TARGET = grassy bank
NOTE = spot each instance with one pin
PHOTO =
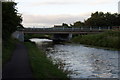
(108, 39)
(7, 49)
(42, 67)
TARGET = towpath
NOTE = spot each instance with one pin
(18, 68)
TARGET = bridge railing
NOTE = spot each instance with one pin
(66, 29)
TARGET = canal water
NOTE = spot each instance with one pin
(81, 61)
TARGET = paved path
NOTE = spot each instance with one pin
(18, 68)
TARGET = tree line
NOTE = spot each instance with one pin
(98, 19)
(11, 19)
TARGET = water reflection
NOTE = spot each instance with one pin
(81, 61)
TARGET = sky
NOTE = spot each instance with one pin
(47, 13)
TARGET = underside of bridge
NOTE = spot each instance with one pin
(58, 34)
(28, 36)
(60, 37)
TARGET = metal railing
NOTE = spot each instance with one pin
(66, 29)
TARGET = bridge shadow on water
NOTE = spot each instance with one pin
(59, 41)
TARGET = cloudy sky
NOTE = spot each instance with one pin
(47, 13)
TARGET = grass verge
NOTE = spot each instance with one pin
(108, 39)
(42, 67)
(7, 49)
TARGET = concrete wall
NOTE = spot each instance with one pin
(18, 35)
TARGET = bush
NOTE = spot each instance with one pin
(108, 39)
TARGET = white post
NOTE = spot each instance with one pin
(99, 28)
(70, 36)
(90, 28)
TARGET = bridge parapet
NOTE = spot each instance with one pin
(61, 30)
(65, 29)
(72, 29)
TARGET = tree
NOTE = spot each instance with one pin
(103, 19)
(10, 19)
(65, 25)
(78, 24)
(96, 19)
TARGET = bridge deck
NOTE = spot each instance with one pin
(62, 30)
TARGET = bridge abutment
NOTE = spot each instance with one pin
(18, 35)
(70, 36)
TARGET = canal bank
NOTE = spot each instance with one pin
(81, 61)
(108, 40)
(16, 59)
(42, 67)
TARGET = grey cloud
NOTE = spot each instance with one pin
(56, 3)
(97, 2)
(70, 2)
(51, 20)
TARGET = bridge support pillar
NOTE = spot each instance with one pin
(70, 36)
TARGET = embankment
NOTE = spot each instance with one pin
(7, 49)
(107, 39)
(42, 67)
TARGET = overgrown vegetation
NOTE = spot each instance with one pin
(11, 19)
(42, 67)
(109, 39)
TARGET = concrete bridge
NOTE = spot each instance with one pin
(61, 30)
(59, 33)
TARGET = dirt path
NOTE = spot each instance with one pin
(18, 68)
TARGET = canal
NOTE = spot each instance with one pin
(81, 61)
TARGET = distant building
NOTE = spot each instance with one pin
(119, 7)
